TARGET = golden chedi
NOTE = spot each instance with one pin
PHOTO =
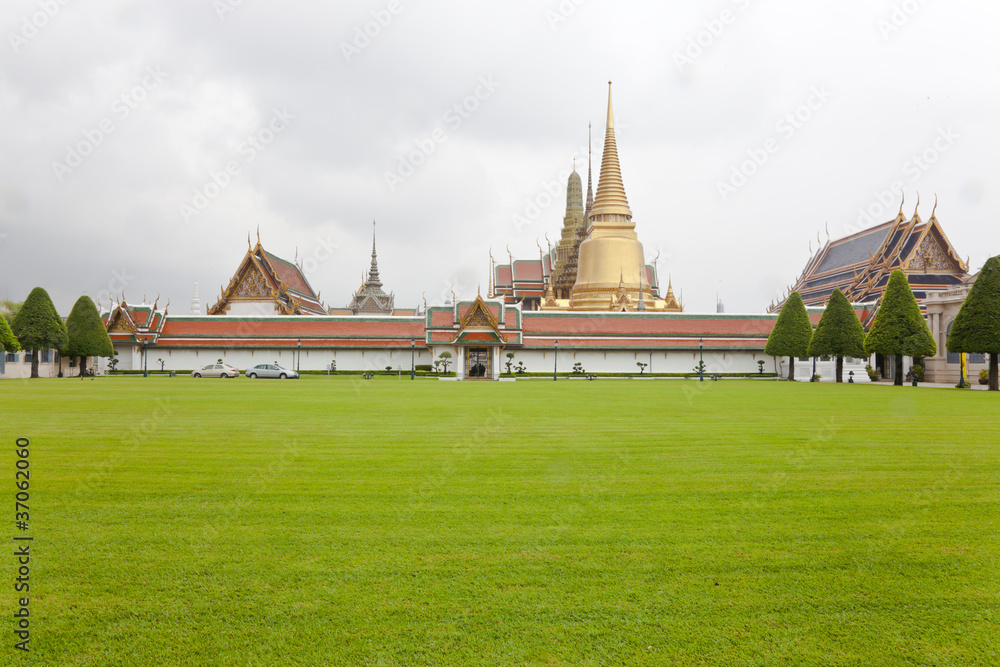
(611, 268)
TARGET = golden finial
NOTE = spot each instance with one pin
(423, 295)
(810, 247)
(258, 234)
(918, 206)
(902, 200)
(511, 258)
(935, 206)
(249, 247)
(828, 231)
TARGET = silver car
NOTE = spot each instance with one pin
(218, 370)
(270, 371)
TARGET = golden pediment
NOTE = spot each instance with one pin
(120, 324)
(251, 285)
(479, 316)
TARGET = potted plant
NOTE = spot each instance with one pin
(984, 376)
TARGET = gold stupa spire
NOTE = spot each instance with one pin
(611, 239)
(611, 204)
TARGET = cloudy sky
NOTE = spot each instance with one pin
(141, 142)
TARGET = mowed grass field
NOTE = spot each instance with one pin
(389, 522)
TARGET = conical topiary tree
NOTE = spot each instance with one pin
(87, 335)
(839, 333)
(977, 326)
(791, 333)
(8, 341)
(899, 329)
(38, 326)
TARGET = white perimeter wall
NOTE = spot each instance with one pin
(624, 361)
(185, 359)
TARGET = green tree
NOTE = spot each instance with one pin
(839, 333)
(445, 360)
(899, 329)
(8, 341)
(38, 327)
(510, 361)
(977, 326)
(791, 333)
(9, 309)
(86, 332)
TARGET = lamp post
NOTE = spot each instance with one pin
(413, 348)
(145, 373)
(555, 361)
(701, 360)
(298, 363)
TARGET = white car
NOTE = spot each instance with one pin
(216, 371)
(270, 371)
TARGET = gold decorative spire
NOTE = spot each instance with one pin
(611, 204)
(590, 171)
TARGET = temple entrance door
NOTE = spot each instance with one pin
(478, 363)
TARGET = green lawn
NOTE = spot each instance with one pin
(388, 522)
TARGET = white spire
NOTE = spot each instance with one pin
(195, 301)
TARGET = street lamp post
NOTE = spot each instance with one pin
(298, 363)
(701, 360)
(555, 361)
(413, 348)
(145, 372)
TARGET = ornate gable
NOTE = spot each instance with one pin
(479, 326)
(253, 284)
(119, 323)
(265, 278)
(479, 316)
(933, 253)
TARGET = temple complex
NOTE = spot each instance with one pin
(591, 302)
